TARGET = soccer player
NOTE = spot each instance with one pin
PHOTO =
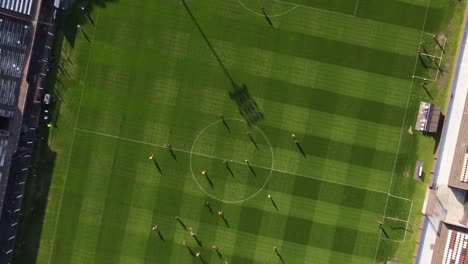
(151, 157)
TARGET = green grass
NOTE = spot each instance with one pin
(340, 82)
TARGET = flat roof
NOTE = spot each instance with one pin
(428, 117)
(23, 8)
(458, 176)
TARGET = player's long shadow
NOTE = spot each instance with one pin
(227, 126)
(226, 222)
(161, 236)
(220, 256)
(172, 154)
(300, 149)
(254, 142)
(274, 204)
(252, 170)
(209, 181)
(157, 166)
(280, 257)
(248, 107)
(190, 250)
(230, 170)
(428, 93)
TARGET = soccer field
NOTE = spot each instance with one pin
(337, 74)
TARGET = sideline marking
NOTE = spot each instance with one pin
(73, 139)
(356, 8)
(402, 127)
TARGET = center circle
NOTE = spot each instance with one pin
(231, 160)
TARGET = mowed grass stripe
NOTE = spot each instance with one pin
(339, 53)
(305, 187)
(155, 108)
(340, 6)
(376, 84)
(325, 168)
(400, 13)
(116, 210)
(138, 227)
(94, 194)
(167, 194)
(314, 165)
(345, 152)
(352, 83)
(310, 74)
(361, 32)
(307, 74)
(186, 121)
(60, 141)
(72, 202)
(203, 44)
(175, 188)
(252, 226)
(330, 104)
(165, 206)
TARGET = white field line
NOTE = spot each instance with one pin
(356, 8)
(402, 126)
(407, 221)
(233, 161)
(432, 56)
(73, 139)
(313, 8)
(423, 78)
(388, 239)
(399, 197)
(259, 14)
(395, 219)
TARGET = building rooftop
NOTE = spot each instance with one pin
(451, 246)
(458, 176)
(428, 117)
(18, 7)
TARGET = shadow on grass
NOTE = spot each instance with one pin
(248, 107)
(75, 15)
(35, 203)
(44, 158)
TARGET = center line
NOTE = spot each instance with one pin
(233, 161)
